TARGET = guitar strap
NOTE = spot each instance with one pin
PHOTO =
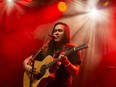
(56, 54)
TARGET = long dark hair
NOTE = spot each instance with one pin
(65, 39)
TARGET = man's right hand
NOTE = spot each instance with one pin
(26, 64)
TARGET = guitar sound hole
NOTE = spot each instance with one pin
(38, 76)
(42, 72)
(43, 69)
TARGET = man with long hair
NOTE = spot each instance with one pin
(61, 72)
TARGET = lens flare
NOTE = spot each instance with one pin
(8, 6)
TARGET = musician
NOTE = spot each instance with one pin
(60, 73)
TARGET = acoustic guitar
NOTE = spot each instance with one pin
(42, 70)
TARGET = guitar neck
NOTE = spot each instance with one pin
(52, 62)
(57, 59)
(83, 46)
(68, 52)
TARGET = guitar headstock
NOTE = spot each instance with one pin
(82, 46)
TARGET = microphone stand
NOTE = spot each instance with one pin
(33, 60)
(32, 65)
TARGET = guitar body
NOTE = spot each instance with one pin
(38, 65)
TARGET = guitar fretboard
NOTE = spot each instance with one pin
(83, 46)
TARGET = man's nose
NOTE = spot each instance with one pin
(56, 32)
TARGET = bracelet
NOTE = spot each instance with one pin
(68, 64)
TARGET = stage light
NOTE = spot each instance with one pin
(106, 3)
(62, 6)
(9, 6)
(94, 12)
(10, 2)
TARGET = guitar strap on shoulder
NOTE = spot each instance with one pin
(65, 47)
(58, 50)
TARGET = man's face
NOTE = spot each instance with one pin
(58, 32)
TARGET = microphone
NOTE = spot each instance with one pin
(52, 36)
